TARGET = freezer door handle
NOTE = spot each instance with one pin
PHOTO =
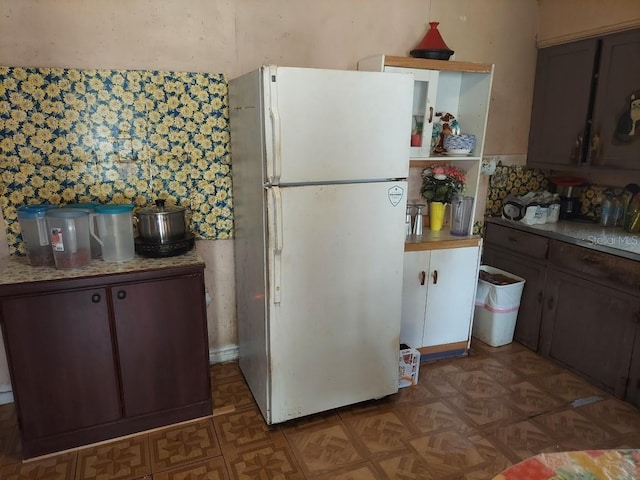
(275, 125)
(277, 241)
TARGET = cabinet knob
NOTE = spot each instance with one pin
(95, 298)
(121, 295)
(434, 275)
(423, 276)
(551, 303)
(591, 260)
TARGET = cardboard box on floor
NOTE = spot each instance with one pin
(409, 360)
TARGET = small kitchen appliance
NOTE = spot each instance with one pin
(162, 231)
(569, 190)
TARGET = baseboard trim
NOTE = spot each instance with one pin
(226, 353)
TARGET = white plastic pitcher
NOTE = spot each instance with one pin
(69, 237)
(115, 231)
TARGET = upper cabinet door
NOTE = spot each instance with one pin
(616, 114)
(425, 87)
(586, 104)
(560, 114)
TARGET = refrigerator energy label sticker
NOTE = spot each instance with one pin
(395, 195)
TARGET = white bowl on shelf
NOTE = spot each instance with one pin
(462, 144)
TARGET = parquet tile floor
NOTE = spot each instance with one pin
(469, 418)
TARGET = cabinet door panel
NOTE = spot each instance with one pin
(425, 87)
(62, 362)
(452, 281)
(530, 312)
(414, 297)
(561, 102)
(617, 125)
(589, 328)
(162, 343)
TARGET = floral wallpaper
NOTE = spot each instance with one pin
(518, 180)
(513, 180)
(69, 135)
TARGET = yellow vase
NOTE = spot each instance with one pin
(436, 215)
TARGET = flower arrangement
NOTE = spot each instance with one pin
(441, 182)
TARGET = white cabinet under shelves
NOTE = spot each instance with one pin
(440, 269)
(438, 297)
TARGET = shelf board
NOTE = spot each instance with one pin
(444, 65)
(443, 158)
(440, 239)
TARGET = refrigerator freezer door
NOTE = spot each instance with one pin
(335, 275)
(326, 126)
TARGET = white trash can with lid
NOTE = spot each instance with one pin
(497, 304)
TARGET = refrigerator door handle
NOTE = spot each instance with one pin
(277, 242)
(275, 126)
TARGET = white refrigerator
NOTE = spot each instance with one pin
(319, 166)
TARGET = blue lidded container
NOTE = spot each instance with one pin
(35, 235)
(96, 249)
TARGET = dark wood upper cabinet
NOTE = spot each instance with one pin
(616, 111)
(583, 112)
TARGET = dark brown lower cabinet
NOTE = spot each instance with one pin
(99, 357)
(579, 306)
(590, 328)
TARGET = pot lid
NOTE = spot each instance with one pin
(433, 40)
(160, 208)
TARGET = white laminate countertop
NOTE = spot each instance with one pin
(17, 269)
(611, 240)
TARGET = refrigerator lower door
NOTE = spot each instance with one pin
(335, 282)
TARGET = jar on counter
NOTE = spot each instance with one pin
(553, 214)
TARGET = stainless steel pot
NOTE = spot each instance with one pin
(161, 223)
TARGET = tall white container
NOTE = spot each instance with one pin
(115, 232)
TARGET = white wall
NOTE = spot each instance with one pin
(567, 20)
(233, 37)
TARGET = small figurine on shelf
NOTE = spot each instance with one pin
(446, 125)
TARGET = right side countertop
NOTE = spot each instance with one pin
(613, 240)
